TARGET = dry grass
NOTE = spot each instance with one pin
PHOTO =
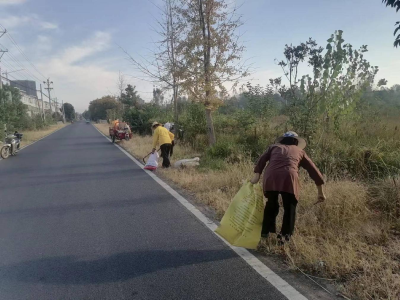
(341, 239)
(32, 136)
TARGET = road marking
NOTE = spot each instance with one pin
(280, 284)
(38, 140)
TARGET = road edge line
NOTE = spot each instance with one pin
(39, 139)
(274, 279)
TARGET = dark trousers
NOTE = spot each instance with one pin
(271, 211)
(165, 151)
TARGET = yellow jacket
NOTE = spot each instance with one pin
(162, 136)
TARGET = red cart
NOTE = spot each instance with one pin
(119, 134)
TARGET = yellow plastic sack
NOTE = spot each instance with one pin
(242, 223)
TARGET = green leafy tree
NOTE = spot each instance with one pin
(141, 118)
(382, 82)
(13, 113)
(69, 111)
(395, 4)
(130, 97)
(340, 77)
(261, 102)
(86, 115)
(98, 108)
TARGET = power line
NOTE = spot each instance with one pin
(22, 66)
(19, 79)
(23, 87)
(22, 53)
(28, 74)
(19, 63)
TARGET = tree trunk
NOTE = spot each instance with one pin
(170, 33)
(210, 127)
(176, 116)
(205, 26)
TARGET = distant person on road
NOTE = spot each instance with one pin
(281, 177)
(163, 138)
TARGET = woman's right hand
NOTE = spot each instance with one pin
(255, 178)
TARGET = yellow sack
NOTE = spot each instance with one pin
(242, 223)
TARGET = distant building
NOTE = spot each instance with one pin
(31, 102)
(28, 92)
(28, 86)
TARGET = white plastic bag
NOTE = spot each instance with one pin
(152, 162)
(193, 162)
(168, 126)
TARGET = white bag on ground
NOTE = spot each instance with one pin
(193, 162)
(152, 162)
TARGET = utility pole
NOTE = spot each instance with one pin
(56, 108)
(48, 83)
(41, 96)
(63, 110)
(1, 55)
(6, 72)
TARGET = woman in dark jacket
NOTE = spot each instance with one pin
(281, 177)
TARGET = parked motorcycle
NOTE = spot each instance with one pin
(11, 145)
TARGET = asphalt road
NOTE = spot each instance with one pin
(80, 220)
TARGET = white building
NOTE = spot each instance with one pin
(35, 105)
(31, 102)
(28, 92)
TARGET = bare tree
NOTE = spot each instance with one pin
(163, 66)
(121, 84)
(211, 51)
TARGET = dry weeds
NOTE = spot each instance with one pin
(34, 135)
(341, 239)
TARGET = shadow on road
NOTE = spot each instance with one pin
(115, 268)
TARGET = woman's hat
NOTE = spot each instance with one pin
(302, 142)
(155, 124)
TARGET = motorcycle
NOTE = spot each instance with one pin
(11, 145)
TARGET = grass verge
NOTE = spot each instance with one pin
(31, 136)
(353, 238)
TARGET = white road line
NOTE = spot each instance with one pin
(280, 284)
(39, 139)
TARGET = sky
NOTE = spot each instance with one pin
(77, 44)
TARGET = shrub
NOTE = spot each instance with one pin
(222, 149)
(384, 196)
(141, 118)
(193, 122)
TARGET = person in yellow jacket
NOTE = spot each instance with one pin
(116, 124)
(162, 137)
